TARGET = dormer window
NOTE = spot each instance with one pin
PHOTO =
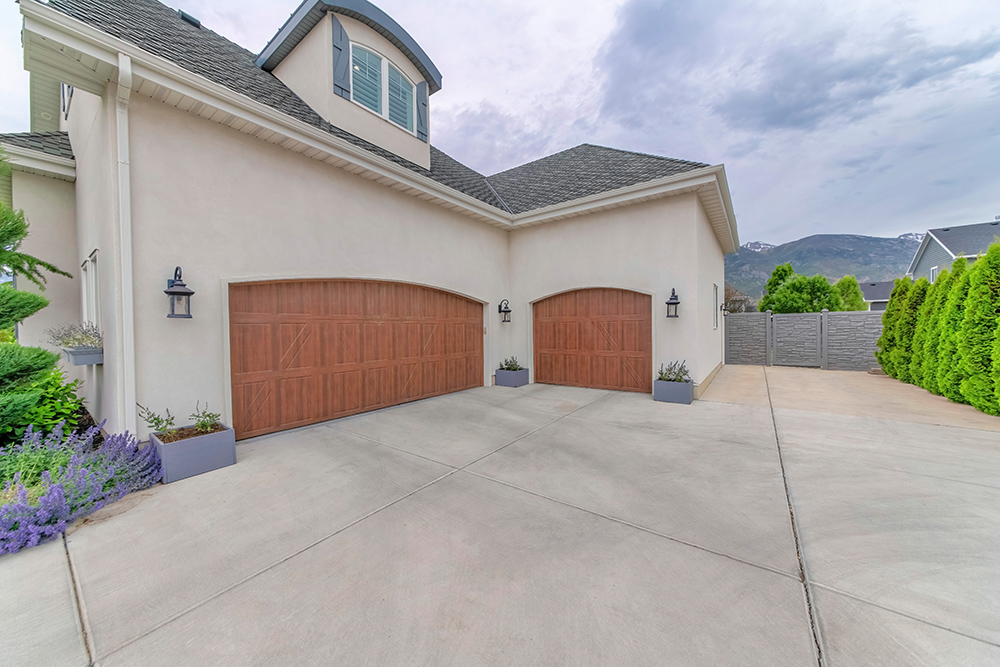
(394, 101)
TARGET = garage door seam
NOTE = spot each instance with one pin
(803, 576)
(903, 613)
(644, 529)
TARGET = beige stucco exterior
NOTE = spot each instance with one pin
(308, 70)
(202, 189)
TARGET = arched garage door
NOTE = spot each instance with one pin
(595, 338)
(306, 351)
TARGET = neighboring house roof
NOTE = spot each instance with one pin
(960, 241)
(878, 291)
(311, 12)
(580, 172)
(50, 143)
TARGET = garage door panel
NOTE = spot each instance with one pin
(594, 338)
(317, 350)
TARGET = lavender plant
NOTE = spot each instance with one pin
(36, 505)
(204, 421)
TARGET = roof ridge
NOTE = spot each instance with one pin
(606, 148)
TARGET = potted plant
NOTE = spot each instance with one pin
(673, 384)
(83, 343)
(206, 445)
(511, 374)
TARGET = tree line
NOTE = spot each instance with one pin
(945, 336)
(789, 292)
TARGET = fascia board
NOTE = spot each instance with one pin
(917, 255)
(727, 200)
(36, 161)
(173, 77)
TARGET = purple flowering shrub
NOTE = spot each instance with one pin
(51, 481)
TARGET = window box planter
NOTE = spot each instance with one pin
(193, 456)
(84, 356)
(512, 378)
(673, 392)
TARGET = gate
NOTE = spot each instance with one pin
(797, 339)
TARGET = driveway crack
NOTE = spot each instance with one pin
(803, 577)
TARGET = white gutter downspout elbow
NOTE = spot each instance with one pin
(127, 356)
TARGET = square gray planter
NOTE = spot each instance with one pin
(673, 392)
(84, 356)
(193, 456)
(512, 378)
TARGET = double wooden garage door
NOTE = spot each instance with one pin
(595, 338)
(307, 351)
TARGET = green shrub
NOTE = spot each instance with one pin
(677, 371)
(949, 371)
(510, 364)
(850, 293)
(204, 421)
(890, 319)
(932, 335)
(779, 276)
(806, 295)
(15, 305)
(906, 328)
(7, 335)
(978, 332)
(916, 370)
(57, 403)
(20, 366)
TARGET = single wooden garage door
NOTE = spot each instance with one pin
(595, 338)
(306, 351)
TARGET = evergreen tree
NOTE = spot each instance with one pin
(15, 305)
(905, 329)
(890, 318)
(944, 283)
(916, 370)
(781, 274)
(978, 332)
(850, 293)
(949, 371)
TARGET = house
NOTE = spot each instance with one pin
(941, 247)
(339, 261)
(877, 294)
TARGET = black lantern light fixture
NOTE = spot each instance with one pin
(672, 303)
(179, 295)
(504, 310)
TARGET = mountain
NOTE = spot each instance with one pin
(870, 258)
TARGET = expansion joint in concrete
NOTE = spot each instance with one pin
(804, 578)
(81, 609)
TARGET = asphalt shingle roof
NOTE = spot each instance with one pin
(51, 143)
(968, 239)
(878, 291)
(580, 172)
(571, 174)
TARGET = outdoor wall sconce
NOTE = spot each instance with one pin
(672, 303)
(179, 295)
(504, 310)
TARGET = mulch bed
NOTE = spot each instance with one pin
(187, 432)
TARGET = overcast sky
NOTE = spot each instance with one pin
(851, 116)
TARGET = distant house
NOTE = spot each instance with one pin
(877, 294)
(941, 247)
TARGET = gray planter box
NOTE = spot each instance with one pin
(193, 456)
(84, 356)
(512, 378)
(673, 392)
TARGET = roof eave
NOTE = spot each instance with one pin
(38, 162)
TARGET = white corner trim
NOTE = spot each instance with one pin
(946, 249)
(37, 162)
(127, 357)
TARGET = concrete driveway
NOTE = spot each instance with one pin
(552, 526)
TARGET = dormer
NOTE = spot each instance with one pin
(358, 69)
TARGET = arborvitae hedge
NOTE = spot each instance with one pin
(949, 373)
(979, 331)
(916, 369)
(887, 341)
(906, 327)
(932, 334)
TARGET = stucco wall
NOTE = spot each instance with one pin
(50, 208)
(228, 207)
(308, 70)
(645, 248)
(91, 128)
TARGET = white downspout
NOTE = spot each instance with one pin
(127, 401)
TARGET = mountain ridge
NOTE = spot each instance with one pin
(869, 258)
